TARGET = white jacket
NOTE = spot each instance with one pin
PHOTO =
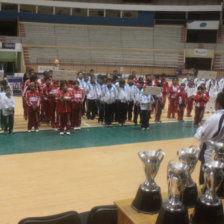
(145, 102)
(109, 95)
(91, 91)
(122, 94)
(82, 84)
(131, 91)
(210, 131)
(137, 96)
(7, 103)
(212, 88)
(99, 91)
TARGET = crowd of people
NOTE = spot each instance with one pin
(109, 98)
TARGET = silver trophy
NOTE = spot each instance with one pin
(189, 156)
(148, 198)
(209, 207)
(173, 211)
(217, 149)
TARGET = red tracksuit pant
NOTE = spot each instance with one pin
(33, 118)
(53, 114)
(47, 114)
(64, 121)
(172, 107)
(164, 100)
(25, 109)
(190, 102)
(180, 112)
(76, 116)
(158, 109)
(199, 113)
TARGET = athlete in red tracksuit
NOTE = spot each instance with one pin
(25, 108)
(46, 99)
(158, 105)
(181, 102)
(78, 96)
(33, 102)
(53, 104)
(191, 88)
(172, 98)
(201, 99)
(165, 89)
(64, 97)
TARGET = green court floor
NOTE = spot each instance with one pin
(91, 137)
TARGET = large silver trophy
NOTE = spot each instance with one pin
(217, 148)
(173, 211)
(189, 156)
(209, 207)
(148, 198)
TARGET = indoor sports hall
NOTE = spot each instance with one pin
(44, 172)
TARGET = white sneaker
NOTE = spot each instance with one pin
(78, 128)
(55, 129)
(29, 131)
(68, 133)
(37, 130)
(61, 133)
(32, 129)
(143, 129)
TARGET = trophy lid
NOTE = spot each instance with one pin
(190, 151)
(213, 165)
(177, 168)
(149, 154)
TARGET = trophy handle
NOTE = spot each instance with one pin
(161, 154)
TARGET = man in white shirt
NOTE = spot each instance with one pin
(212, 129)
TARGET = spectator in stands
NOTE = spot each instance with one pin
(8, 106)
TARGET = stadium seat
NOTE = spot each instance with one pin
(100, 215)
(70, 217)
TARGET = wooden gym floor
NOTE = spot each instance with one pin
(39, 177)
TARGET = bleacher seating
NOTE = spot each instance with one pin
(103, 45)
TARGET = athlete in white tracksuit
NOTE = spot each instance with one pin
(212, 129)
(212, 88)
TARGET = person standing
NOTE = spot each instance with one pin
(8, 106)
(212, 129)
(181, 102)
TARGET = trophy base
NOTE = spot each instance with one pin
(147, 202)
(207, 214)
(172, 217)
(220, 191)
(189, 196)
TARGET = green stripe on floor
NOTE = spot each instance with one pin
(92, 137)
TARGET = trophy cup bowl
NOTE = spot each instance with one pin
(148, 198)
(218, 154)
(209, 207)
(173, 211)
(189, 156)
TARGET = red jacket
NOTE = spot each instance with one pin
(53, 93)
(173, 91)
(165, 88)
(136, 81)
(46, 92)
(64, 106)
(32, 98)
(182, 98)
(200, 99)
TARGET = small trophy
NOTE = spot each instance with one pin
(209, 207)
(189, 156)
(148, 198)
(173, 211)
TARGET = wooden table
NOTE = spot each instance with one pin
(127, 215)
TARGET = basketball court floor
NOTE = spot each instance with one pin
(44, 173)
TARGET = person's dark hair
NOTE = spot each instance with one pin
(141, 83)
(220, 99)
(130, 77)
(25, 77)
(63, 82)
(33, 78)
(76, 82)
(109, 80)
(200, 88)
(159, 84)
(99, 76)
(182, 84)
(7, 87)
(4, 83)
(121, 82)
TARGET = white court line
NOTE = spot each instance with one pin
(86, 124)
